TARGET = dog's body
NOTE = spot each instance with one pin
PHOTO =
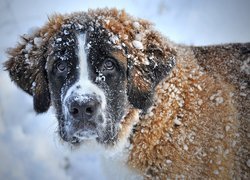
(199, 123)
(113, 79)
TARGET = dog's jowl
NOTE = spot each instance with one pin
(181, 111)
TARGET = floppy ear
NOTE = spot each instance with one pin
(26, 67)
(26, 64)
(144, 77)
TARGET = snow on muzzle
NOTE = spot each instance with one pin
(85, 115)
(84, 107)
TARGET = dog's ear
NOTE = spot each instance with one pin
(26, 67)
(145, 75)
(27, 63)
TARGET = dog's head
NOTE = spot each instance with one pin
(98, 69)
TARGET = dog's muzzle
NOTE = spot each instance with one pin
(85, 109)
(84, 117)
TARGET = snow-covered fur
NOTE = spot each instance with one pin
(184, 110)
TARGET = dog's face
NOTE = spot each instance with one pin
(92, 72)
(88, 82)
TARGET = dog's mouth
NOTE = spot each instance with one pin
(83, 135)
(77, 133)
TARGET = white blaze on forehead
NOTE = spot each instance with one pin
(84, 86)
(82, 55)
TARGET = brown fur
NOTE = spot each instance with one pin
(198, 124)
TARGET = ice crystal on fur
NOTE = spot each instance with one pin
(38, 41)
(246, 66)
(137, 44)
(28, 47)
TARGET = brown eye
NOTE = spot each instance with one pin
(62, 66)
(109, 64)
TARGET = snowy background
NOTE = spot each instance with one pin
(29, 146)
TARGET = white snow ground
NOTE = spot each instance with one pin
(29, 147)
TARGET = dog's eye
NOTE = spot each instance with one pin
(109, 64)
(62, 66)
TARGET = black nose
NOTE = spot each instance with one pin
(84, 108)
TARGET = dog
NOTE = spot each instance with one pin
(177, 111)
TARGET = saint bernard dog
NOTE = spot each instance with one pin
(178, 111)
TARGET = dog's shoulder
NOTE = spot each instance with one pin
(198, 123)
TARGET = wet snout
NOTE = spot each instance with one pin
(84, 108)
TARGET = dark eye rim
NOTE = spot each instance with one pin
(61, 66)
(109, 64)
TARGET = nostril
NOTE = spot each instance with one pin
(89, 111)
(74, 111)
